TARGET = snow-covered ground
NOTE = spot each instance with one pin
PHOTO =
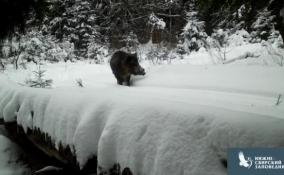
(10, 163)
(178, 119)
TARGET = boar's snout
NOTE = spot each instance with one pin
(139, 71)
(143, 71)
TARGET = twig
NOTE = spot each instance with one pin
(167, 15)
(79, 82)
(279, 100)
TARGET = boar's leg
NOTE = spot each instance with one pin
(127, 79)
(119, 82)
(119, 79)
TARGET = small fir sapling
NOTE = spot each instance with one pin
(38, 81)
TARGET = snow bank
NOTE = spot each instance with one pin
(263, 54)
(230, 78)
(178, 120)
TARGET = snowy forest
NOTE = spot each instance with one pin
(125, 87)
(88, 29)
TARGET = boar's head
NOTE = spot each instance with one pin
(134, 66)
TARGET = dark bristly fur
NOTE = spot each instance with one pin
(123, 65)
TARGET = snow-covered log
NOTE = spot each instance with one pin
(42, 141)
(241, 57)
(152, 131)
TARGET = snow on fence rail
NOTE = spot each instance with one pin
(124, 129)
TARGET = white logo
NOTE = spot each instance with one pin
(247, 163)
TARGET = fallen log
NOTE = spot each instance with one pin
(27, 117)
(117, 130)
(35, 139)
(63, 157)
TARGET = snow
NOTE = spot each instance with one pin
(48, 169)
(241, 11)
(178, 119)
(9, 159)
(263, 54)
(239, 38)
(156, 22)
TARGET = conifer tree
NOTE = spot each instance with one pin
(77, 24)
(194, 32)
(263, 27)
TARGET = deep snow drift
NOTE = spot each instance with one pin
(178, 119)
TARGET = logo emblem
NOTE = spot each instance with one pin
(247, 163)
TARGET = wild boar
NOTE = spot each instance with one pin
(123, 65)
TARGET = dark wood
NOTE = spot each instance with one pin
(42, 152)
(34, 141)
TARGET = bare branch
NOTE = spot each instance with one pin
(167, 15)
